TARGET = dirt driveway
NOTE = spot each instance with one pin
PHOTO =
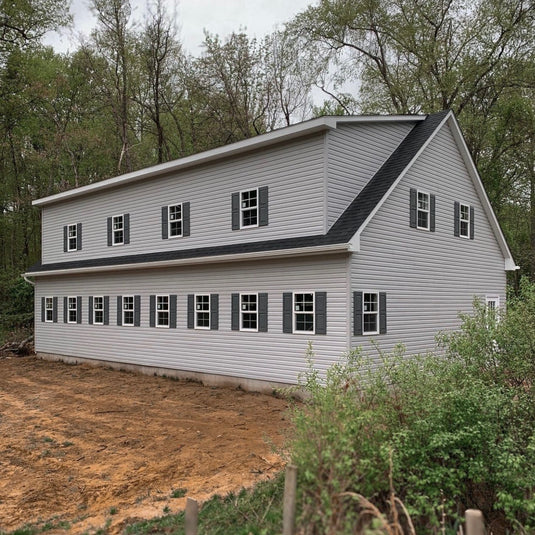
(91, 445)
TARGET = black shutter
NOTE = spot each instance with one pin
(357, 313)
(79, 236)
(172, 311)
(185, 219)
(191, 311)
(110, 232)
(126, 227)
(79, 309)
(287, 315)
(106, 310)
(119, 310)
(55, 309)
(137, 310)
(165, 220)
(413, 213)
(235, 211)
(321, 312)
(472, 223)
(90, 311)
(382, 313)
(263, 312)
(235, 312)
(214, 312)
(64, 310)
(152, 311)
(432, 213)
(263, 216)
(65, 239)
(456, 214)
(42, 309)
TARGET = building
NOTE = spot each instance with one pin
(342, 231)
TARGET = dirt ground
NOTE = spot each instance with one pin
(92, 445)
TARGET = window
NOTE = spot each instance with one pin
(117, 230)
(249, 208)
(128, 310)
(370, 313)
(162, 311)
(303, 312)
(249, 312)
(202, 311)
(423, 211)
(464, 221)
(49, 309)
(71, 238)
(72, 316)
(174, 220)
(98, 310)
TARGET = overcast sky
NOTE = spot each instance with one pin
(257, 17)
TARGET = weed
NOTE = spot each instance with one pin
(179, 493)
(113, 510)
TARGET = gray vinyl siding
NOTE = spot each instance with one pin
(355, 153)
(293, 173)
(429, 277)
(270, 356)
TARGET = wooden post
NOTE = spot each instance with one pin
(192, 516)
(288, 511)
(474, 522)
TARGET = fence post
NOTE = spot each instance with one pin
(192, 516)
(288, 511)
(474, 522)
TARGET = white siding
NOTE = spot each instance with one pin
(271, 356)
(294, 173)
(355, 153)
(429, 277)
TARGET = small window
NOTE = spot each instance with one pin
(423, 211)
(303, 312)
(98, 310)
(118, 229)
(370, 313)
(72, 310)
(128, 310)
(249, 312)
(162, 311)
(174, 220)
(249, 208)
(49, 309)
(72, 238)
(464, 221)
(202, 311)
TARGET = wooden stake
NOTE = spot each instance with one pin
(192, 516)
(474, 522)
(288, 512)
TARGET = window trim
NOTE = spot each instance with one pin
(113, 242)
(95, 309)
(69, 309)
(133, 310)
(312, 313)
(467, 221)
(51, 309)
(377, 313)
(209, 312)
(241, 209)
(69, 237)
(181, 235)
(241, 311)
(418, 209)
(168, 310)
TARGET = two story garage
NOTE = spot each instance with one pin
(223, 266)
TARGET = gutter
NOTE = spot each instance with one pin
(25, 277)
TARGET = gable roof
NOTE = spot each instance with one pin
(342, 235)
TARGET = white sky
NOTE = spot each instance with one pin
(256, 17)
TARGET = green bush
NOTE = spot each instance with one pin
(17, 298)
(459, 428)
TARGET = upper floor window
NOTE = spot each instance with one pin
(119, 229)
(72, 237)
(175, 220)
(250, 208)
(422, 210)
(464, 221)
(72, 242)
(463, 215)
(49, 309)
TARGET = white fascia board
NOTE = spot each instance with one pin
(240, 257)
(379, 118)
(355, 240)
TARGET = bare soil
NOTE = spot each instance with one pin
(98, 447)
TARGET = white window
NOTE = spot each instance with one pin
(174, 220)
(303, 312)
(202, 311)
(162, 311)
(98, 310)
(128, 310)
(72, 238)
(249, 312)
(370, 313)
(464, 220)
(422, 216)
(492, 303)
(49, 309)
(249, 208)
(72, 309)
(118, 229)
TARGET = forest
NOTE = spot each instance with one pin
(130, 96)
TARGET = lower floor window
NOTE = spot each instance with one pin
(202, 311)
(370, 308)
(72, 310)
(249, 312)
(162, 310)
(303, 310)
(128, 310)
(49, 309)
(98, 310)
